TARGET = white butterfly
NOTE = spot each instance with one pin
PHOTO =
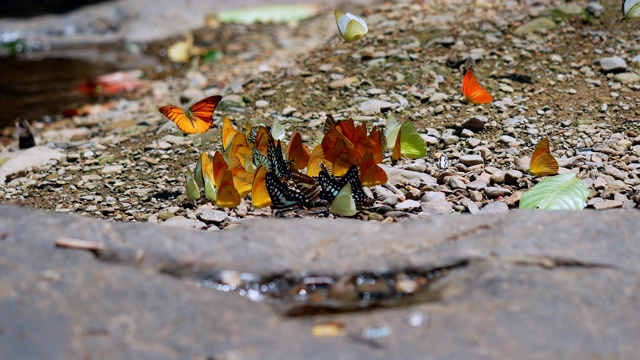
(631, 8)
(351, 27)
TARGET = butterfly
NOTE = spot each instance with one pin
(344, 204)
(405, 139)
(351, 27)
(193, 191)
(228, 133)
(282, 197)
(332, 185)
(372, 173)
(542, 162)
(297, 152)
(259, 196)
(316, 160)
(203, 163)
(306, 184)
(276, 130)
(473, 91)
(213, 170)
(631, 9)
(242, 179)
(197, 119)
(279, 165)
(227, 195)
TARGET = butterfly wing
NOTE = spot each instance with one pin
(306, 184)
(397, 148)
(283, 198)
(219, 168)
(277, 131)
(297, 153)
(179, 117)
(351, 27)
(242, 179)
(631, 9)
(344, 204)
(473, 91)
(316, 160)
(193, 191)
(542, 162)
(259, 195)
(372, 173)
(202, 112)
(228, 132)
(391, 130)
(209, 188)
(412, 144)
(227, 195)
(274, 154)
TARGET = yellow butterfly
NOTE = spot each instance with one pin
(351, 27)
(405, 139)
(343, 204)
(631, 9)
(193, 191)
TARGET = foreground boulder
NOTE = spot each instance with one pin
(514, 285)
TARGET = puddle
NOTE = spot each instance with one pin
(317, 295)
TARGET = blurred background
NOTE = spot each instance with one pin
(54, 54)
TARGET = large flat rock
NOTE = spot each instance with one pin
(518, 285)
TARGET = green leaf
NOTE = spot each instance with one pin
(560, 192)
(212, 56)
(268, 14)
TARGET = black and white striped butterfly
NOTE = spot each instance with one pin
(331, 185)
(443, 162)
(280, 166)
(284, 198)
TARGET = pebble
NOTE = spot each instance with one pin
(477, 185)
(535, 25)
(494, 191)
(511, 177)
(408, 205)
(373, 106)
(211, 215)
(183, 222)
(470, 206)
(497, 207)
(289, 110)
(613, 64)
(607, 204)
(472, 142)
(471, 160)
(262, 103)
(627, 78)
(338, 84)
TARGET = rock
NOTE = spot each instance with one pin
(211, 215)
(338, 84)
(183, 222)
(608, 204)
(262, 104)
(471, 160)
(231, 101)
(497, 177)
(535, 25)
(112, 169)
(569, 9)
(398, 176)
(494, 264)
(25, 160)
(493, 191)
(613, 64)
(627, 78)
(374, 106)
(437, 97)
(470, 205)
(289, 110)
(595, 9)
(497, 207)
(511, 177)
(408, 205)
(477, 184)
(472, 142)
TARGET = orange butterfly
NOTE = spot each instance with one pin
(197, 119)
(364, 144)
(227, 196)
(259, 194)
(228, 133)
(297, 152)
(218, 169)
(242, 179)
(542, 162)
(473, 91)
(343, 157)
(372, 173)
(315, 160)
(347, 128)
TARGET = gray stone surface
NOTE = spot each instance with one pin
(520, 285)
